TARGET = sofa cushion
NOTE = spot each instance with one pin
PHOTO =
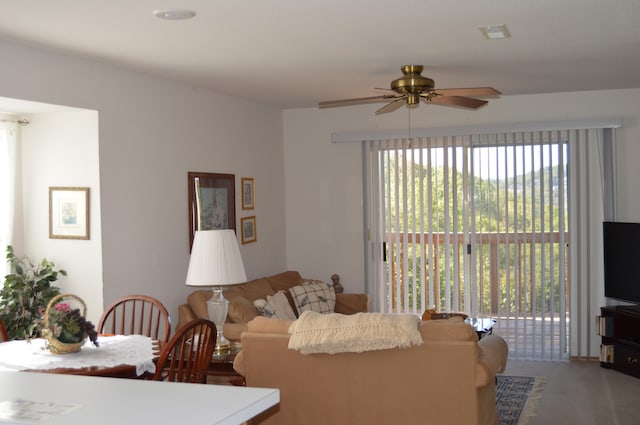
(352, 303)
(276, 306)
(285, 280)
(241, 310)
(314, 296)
(198, 302)
(253, 290)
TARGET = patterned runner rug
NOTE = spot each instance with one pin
(517, 398)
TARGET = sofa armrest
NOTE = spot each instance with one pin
(492, 359)
(351, 303)
(238, 364)
(494, 352)
(261, 325)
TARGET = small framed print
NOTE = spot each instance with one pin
(69, 213)
(248, 225)
(248, 193)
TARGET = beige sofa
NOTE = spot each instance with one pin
(447, 380)
(241, 298)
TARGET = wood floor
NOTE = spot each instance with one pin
(581, 393)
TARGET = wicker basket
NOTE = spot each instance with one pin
(54, 344)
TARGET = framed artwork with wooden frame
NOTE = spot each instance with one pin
(212, 202)
(248, 193)
(69, 213)
(248, 225)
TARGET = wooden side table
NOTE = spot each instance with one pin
(221, 366)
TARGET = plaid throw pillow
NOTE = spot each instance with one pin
(315, 296)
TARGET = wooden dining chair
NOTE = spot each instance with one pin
(136, 315)
(186, 357)
(4, 335)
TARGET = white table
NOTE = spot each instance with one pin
(136, 351)
(110, 401)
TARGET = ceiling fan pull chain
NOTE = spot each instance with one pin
(410, 138)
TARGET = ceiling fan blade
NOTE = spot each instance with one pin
(483, 92)
(355, 101)
(457, 101)
(392, 106)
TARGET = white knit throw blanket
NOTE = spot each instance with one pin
(338, 333)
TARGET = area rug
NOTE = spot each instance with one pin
(517, 398)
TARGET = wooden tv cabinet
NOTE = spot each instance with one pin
(619, 328)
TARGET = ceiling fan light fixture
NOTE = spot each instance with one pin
(413, 100)
(174, 14)
(495, 32)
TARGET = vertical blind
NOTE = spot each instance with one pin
(479, 224)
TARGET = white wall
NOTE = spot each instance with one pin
(324, 180)
(151, 133)
(61, 149)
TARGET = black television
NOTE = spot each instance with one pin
(622, 261)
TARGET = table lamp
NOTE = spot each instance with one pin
(216, 262)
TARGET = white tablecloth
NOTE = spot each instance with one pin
(113, 351)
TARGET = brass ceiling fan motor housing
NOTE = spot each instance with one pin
(412, 83)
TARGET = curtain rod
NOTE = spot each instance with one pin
(21, 121)
(360, 136)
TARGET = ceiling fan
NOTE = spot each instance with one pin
(413, 87)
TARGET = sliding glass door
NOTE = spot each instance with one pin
(476, 224)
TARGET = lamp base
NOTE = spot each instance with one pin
(223, 346)
(217, 307)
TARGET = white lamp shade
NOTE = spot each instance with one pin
(215, 259)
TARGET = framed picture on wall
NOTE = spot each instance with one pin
(69, 213)
(212, 202)
(248, 225)
(248, 193)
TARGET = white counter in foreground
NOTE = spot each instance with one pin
(98, 400)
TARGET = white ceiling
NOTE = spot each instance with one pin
(295, 53)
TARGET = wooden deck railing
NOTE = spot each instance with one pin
(516, 281)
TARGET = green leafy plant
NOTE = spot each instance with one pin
(25, 294)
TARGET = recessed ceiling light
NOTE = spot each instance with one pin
(495, 32)
(174, 14)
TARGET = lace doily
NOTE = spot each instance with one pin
(113, 351)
